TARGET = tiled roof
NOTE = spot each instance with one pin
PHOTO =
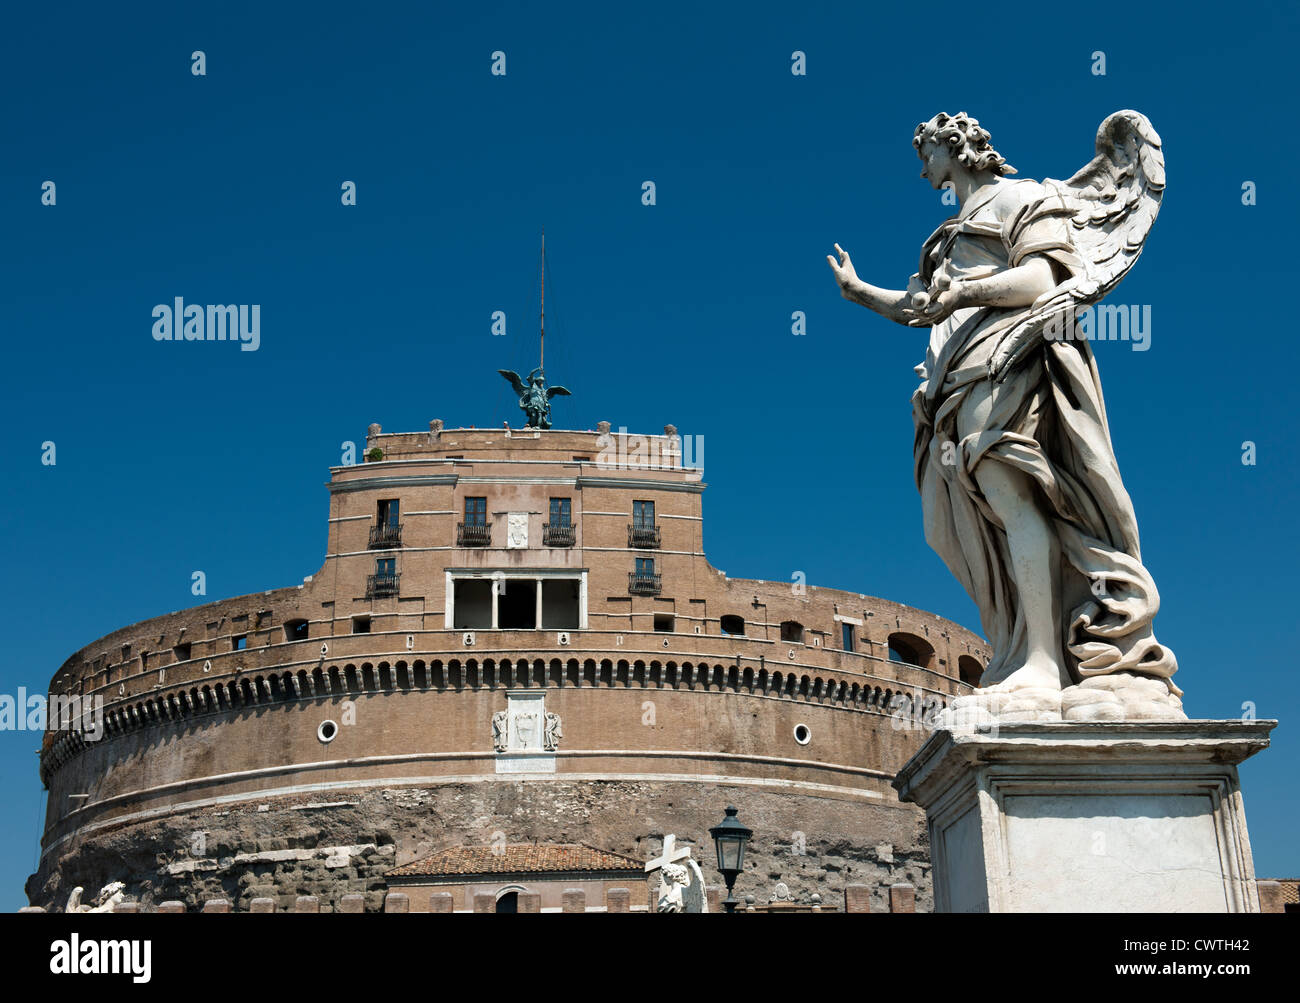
(521, 858)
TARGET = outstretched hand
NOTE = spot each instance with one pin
(845, 274)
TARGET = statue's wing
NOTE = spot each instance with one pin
(1117, 198)
(557, 392)
(515, 381)
(1114, 199)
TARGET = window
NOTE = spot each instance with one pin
(970, 670)
(910, 649)
(846, 635)
(475, 511)
(561, 512)
(295, 630)
(664, 623)
(643, 514)
(384, 582)
(792, 630)
(361, 625)
(645, 567)
(181, 652)
(239, 642)
(389, 512)
(733, 625)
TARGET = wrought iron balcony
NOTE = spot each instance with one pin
(557, 536)
(643, 535)
(473, 534)
(386, 536)
(380, 586)
(641, 584)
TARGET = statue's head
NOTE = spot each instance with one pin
(946, 140)
(536, 377)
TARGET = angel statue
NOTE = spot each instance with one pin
(1020, 490)
(535, 396)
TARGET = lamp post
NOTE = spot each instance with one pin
(729, 838)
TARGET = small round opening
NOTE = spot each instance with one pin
(327, 731)
(802, 734)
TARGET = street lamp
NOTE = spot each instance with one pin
(729, 838)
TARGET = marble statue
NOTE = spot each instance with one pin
(109, 896)
(553, 733)
(500, 724)
(1021, 493)
(673, 878)
(534, 396)
(681, 882)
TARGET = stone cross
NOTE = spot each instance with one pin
(670, 855)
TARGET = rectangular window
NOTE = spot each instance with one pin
(644, 566)
(389, 512)
(182, 651)
(239, 642)
(386, 566)
(664, 623)
(643, 514)
(475, 511)
(361, 625)
(561, 511)
(846, 633)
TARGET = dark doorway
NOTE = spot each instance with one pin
(509, 902)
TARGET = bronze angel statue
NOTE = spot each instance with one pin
(534, 396)
(1021, 492)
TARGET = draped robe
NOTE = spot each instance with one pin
(1047, 420)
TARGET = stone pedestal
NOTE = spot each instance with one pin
(1123, 816)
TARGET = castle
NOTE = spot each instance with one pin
(512, 641)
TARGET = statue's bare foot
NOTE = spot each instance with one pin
(1030, 693)
(1034, 674)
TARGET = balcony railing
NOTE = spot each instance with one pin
(643, 535)
(557, 536)
(473, 534)
(380, 586)
(385, 536)
(642, 584)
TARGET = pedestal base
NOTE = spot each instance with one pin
(1124, 816)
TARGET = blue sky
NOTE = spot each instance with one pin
(225, 188)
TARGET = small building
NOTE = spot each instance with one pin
(506, 871)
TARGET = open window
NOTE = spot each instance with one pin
(732, 625)
(296, 630)
(911, 649)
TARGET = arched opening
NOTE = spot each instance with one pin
(732, 625)
(509, 902)
(969, 670)
(911, 650)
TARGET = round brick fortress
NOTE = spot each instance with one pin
(307, 740)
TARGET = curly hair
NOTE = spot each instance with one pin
(970, 144)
